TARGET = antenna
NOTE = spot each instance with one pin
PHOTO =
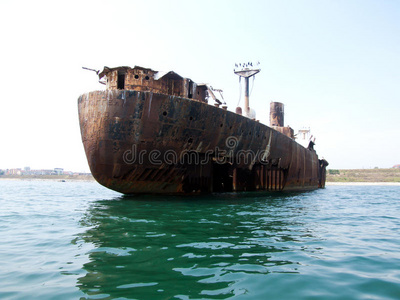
(246, 70)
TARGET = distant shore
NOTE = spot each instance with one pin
(382, 177)
(363, 183)
(48, 177)
(363, 176)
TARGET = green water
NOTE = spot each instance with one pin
(82, 241)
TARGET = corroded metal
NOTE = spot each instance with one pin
(276, 115)
(157, 139)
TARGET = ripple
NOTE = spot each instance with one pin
(136, 285)
(207, 245)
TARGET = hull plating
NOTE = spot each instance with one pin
(143, 142)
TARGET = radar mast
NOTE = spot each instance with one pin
(246, 71)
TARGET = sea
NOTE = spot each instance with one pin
(79, 240)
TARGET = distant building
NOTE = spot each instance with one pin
(58, 171)
(17, 171)
(44, 172)
(396, 167)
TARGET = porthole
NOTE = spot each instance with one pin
(136, 76)
(147, 78)
(164, 113)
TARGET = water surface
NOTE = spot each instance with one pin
(72, 240)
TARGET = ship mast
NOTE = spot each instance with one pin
(246, 71)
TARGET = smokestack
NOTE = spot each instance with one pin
(276, 113)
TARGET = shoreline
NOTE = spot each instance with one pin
(48, 179)
(54, 178)
(363, 183)
(65, 179)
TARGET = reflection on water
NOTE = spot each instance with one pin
(210, 247)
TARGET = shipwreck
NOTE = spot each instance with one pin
(153, 132)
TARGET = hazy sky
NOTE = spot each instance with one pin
(335, 65)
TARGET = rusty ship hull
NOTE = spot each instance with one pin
(149, 142)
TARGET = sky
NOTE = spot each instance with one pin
(334, 64)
